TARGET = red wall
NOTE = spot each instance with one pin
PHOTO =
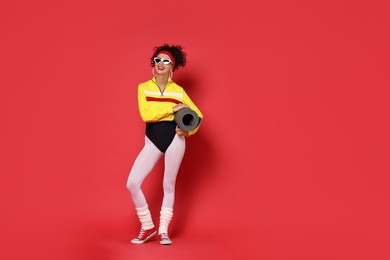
(291, 161)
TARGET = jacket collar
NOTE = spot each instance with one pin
(154, 79)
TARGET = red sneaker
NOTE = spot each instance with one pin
(144, 236)
(164, 239)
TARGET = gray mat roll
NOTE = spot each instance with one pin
(187, 119)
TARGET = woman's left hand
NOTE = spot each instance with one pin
(180, 132)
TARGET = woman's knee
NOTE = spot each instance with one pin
(169, 186)
(133, 185)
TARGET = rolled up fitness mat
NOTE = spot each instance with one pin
(187, 119)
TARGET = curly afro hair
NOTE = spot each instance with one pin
(177, 52)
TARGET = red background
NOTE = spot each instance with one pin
(291, 161)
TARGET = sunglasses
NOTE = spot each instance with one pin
(165, 61)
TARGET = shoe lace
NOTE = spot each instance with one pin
(164, 236)
(141, 233)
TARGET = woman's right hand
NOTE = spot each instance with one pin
(178, 107)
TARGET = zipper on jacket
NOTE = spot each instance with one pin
(162, 92)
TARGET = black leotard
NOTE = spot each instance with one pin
(161, 134)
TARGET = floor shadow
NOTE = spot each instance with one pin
(198, 162)
(196, 169)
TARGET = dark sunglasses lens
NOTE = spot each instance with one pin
(166, 62)
(157, 60)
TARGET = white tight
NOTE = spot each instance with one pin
(145, 162)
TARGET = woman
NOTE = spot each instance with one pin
(158, 101)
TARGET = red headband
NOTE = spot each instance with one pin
(170, 56)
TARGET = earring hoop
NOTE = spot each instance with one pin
(171, 74)
(153, 71)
